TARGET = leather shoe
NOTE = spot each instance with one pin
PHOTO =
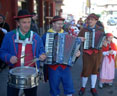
(81, 92)
(94, 92)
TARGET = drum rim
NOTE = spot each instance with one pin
(11, 70)
(23, 87)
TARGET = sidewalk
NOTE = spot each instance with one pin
(43, 89)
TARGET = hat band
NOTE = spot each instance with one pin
(24, 16)
(58, 19)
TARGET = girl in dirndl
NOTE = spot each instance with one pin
(107, 72)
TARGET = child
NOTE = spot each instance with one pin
(107, 71)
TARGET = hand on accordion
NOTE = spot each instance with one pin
(82, 39)
(42, 57)
(78, 53)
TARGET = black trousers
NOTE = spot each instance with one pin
(28, 92)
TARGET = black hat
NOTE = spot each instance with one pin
(22, 14)
(57, 18)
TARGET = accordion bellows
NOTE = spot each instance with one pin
(61, 48)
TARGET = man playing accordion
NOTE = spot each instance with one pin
(59, 72)
(92, 54)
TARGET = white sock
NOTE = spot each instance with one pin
(93, 80)
(69, 95)
(84, 81)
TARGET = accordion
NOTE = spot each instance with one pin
(94, 39)
(61, 48)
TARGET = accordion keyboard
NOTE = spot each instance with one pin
(87, 41)
(48, 47)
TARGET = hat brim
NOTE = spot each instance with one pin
(20, 17)
(59, 19)
(93, 17)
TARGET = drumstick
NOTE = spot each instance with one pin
(23, 56)
(32, 61)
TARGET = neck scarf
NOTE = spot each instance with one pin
(24, 36)
(51, 30)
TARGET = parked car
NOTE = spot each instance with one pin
(115, 19)
(111, 22)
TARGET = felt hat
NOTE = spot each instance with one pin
(93, 15)
(22, 14)
(57, 18)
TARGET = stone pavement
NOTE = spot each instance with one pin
(43, 89)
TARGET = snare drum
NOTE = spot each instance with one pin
(23, 77)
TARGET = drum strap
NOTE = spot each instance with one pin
(26, 41)
(23, 42)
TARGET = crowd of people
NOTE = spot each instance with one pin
(25, 40)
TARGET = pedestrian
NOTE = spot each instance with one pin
(22, 42)
(109, 51)
(71, 29)
(79, 23)
(34, 25)
(91, 57)
(59, 72)
(4, 28)
(3, 24)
